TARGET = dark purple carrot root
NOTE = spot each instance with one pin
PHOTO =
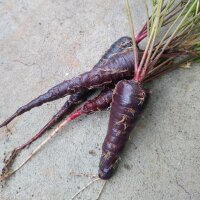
(120, 45)
(127, 104)
(96, 78)
(101, 102)
(117, 47)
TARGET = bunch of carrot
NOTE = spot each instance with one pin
(121, 74)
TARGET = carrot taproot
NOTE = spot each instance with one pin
(128, 102)
(117, 47)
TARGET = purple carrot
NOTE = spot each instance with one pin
(117, 47)
(106, 74)
(127, 104)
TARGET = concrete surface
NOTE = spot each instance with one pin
(43, 42)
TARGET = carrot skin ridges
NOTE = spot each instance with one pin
(120, 45)
(101, 102)
(106, 74)
(127, 104)
(117, 47)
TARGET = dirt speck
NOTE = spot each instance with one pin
(92, 152)
(127, 166)
(8, 130)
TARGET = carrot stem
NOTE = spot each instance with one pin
(135, 49)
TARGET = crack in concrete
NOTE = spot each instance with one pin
(47, 34)
(26, 64)
(165, 157)
(41, 72)
(183, 188)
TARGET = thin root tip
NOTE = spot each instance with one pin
(7, 121)
(6, 175)
(2, 125)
